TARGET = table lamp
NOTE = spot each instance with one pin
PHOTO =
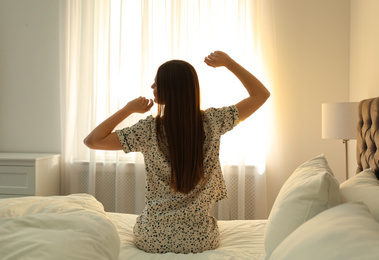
(339, 121)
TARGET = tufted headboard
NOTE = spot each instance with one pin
(368, 135)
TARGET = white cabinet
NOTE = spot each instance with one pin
(29, 174)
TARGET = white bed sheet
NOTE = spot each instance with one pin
(240, 239)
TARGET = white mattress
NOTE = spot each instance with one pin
(240, 239)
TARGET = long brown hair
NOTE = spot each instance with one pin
(179, 114)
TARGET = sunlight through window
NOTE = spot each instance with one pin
(144, 34)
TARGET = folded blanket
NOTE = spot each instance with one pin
(58, 227)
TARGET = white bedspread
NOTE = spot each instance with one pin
(66, 227)
(240, 239)
(76, 227)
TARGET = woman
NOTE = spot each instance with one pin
(180, 148)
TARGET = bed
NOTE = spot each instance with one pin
(313, 217)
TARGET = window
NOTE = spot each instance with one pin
(111, 51)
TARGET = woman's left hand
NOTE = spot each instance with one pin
(140, 105)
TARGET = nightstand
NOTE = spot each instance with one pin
(29, 174)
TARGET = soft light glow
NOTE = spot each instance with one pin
(144, 34)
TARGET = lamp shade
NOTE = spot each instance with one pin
(339, 120)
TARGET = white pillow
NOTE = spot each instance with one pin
(310, 190)
(362, 187)
(347, 231)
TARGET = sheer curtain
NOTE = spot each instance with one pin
(109, 55)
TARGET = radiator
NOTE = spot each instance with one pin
(121, 189)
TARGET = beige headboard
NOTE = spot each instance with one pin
(368, 135)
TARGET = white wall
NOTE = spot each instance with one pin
(364, 75)
(29, 76)
(312, 68)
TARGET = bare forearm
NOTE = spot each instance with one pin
(103, 138)
(253, 86)
(107, 126)
(258, 94)
(102, 131)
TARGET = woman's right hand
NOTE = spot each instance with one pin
(218, 59)
(139, 105)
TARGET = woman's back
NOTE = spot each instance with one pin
(169, 215)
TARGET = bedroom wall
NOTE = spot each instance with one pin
(29, 76)
(312, 45)
(364, 76)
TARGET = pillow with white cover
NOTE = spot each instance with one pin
(310, 190)
(347, 231)
(362, 187)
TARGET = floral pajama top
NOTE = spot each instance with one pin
(174, 222)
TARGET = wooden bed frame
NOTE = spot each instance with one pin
(368, 135)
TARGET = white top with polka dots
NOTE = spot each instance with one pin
(174, 222)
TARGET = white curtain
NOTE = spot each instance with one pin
(109, 55)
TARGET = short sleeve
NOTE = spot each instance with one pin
(223, 119)
(136, 137)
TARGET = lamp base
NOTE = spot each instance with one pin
(346, 158)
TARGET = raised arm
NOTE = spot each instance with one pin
(258, 94)
(103, 137)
